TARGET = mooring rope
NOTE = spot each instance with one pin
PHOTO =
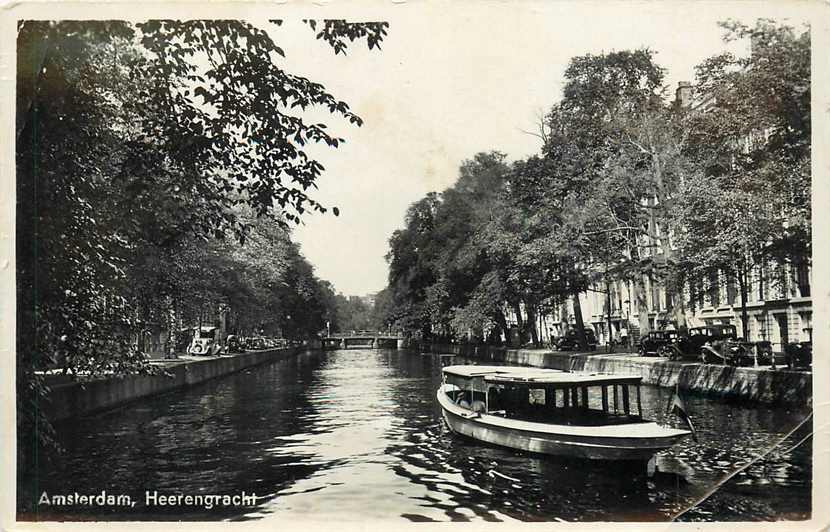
(797, 445)
(744, 467)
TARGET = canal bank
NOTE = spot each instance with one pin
(73, 399)
(761, 385)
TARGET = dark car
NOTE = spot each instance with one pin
(570, 340)
(722, 345)
(799, 355)
(653, 342)
(765, 354)
(718, 343)
(254, 342)
(690, 346)
(233, 344)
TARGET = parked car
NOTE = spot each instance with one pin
(255, 342)
(205, 342)
(765, 353)
(691, 346)
(718, 343)
(799, 355)
(570, 340)
(722, 345)
(653, 342)
(233, 344)
(183, 339)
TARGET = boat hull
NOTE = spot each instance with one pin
(566, 445)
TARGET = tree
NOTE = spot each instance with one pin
(568, 200)
(354, 314)
(128, 146)
(383, 311)
(438, 260)
(750, 203)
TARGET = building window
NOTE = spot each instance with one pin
(806, 326)
(655, 294)
(731, 292)
(802, 278)
(783, 281)
(761, 281)
(714, 290)
(761, 327)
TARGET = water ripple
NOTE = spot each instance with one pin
(356, 435)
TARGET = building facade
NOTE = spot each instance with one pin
(778, 303)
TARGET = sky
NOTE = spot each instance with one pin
(449, 83)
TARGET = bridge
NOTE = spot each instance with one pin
(363, 339)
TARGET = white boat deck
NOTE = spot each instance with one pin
(507, 374)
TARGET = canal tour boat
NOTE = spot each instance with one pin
(552, 412)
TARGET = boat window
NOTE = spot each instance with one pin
(467, 392)
(571, 405)
(461, 382)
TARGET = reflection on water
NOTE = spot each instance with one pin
(357, 434)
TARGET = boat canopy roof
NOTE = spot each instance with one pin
(516, 375)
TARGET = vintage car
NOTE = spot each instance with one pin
(766, 356)
(253, 342)
(183, 338)
(653, 342)
(799, 355)
(570, 340)
(723, 346)
(233, 344)
(690, 346)
(719, 344)
(205, 342)
(280, 342)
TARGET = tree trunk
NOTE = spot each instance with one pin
(501, 321)
(580, 324)
(641, 298)
(519, 322)
(610, 328)
(531, 324)
(426, 330)
(679, 311)
(742, 283)
(172, 330)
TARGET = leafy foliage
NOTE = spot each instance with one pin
(146, 154)
(627, 187)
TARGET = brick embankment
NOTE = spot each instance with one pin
(762, 385)
(75, 399)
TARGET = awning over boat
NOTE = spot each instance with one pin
(516, 375)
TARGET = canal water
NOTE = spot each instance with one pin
(354, 435)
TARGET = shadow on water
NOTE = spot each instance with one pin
(357, 435)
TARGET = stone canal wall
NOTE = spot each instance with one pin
(793, 388)
(75, 399)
